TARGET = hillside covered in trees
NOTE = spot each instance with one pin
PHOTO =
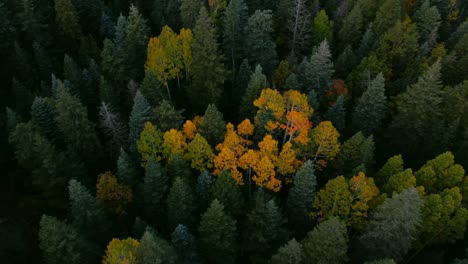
(234, 131)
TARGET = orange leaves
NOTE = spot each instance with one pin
(190, 129)
(265, 175)
(325, 145)
(268, 146)
(287, 162)
(113, 195)
(271, 102)
(245, 128)
(363, 190)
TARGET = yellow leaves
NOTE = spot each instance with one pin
(200, 154)
(265, 175)
(325, 145)
(363, 190)
(190, 129)
(149, 144)
(227, 159)
(121, 251)
(287, 162)
(174, 141)
(268, 147)
(245, 128)
(272, 102)
(111, 194)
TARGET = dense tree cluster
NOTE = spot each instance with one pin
(234, 131)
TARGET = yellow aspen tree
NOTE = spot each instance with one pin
(245, 128)
(149, 144)
(121, 251)
(364, 191)
(324, 144)
(270, 104)
(200, 154)
(287, 162)
(297, 122)
(174, 142)
(265, 175)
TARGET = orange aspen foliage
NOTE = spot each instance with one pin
(287, 162)
(197, 120)
(270, 101)
(298, 112)
(265, 175)
(174, 141)
(324, 144)
(268, 147)
(227, 159)
(113, 195)
(363, 190)
(232, 141)
(190, 130)
(249, 160)
(245, 128)
(121, 251)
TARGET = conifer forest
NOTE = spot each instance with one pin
(234, 131)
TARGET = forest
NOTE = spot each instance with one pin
(234, 131)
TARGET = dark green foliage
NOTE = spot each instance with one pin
(370, 109)
(367, 70)
(127, 171)
(208, 73)
(180, 204)
(290, 253)
(154, 190)
(204, 182)
(388, 14)
(86, 214)
(185, 245)
(327, 243)
(383, 261)
(22, 97)
(226, 190)
(141, 113)
(356, 151)
(351, 30)
(189, 12)
(427, 19)
(179, 167)
(152, 89)
(234, 25)
(256, 84)
(264, 228)
(217, 234)
(66, 18)
(393, 226)
(167, 117)
(113, 128)
(43, 115)
(242, 80)
(292, 83)
(346, 61)
(136, 38)
(258, 39)
(394, 165)
(61, 243)
(155, 250)
(213, 126)
(455, 62)
(300, 198)
(337, 113)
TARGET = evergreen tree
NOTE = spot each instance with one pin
(356, 151)
(393, 226)
(264, 228)
(22, 97)
(292, 83)
(89, 14)
(351, 31)
(113, 128)
(256, 84)
(141, 113)
(337, 113)
(135, 40)
(301, 196)
(234, 26)
(226, 190)
(61, 243)
(261, 47)
(370, 109)
(88, 217)
(67, 19)
(242, 80)
(152, 89)
(179, 167)
(388, 14)
(167, 116)
(207, 69)
(189, 11)
(204, 182)
(180, 204)
(43, 117)
(394, 165)
(217, 234)
(290, 253)
(213, 126)
(327, 243)
(185, 245)
(154, 190)
(127, 171)
(427, 19)
(322, 28)
(155, 250)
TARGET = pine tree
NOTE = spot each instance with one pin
(61, 243)
(337, 114)
(127, 171)
(152, 89)
(226, 190)
(154, 249)
(264, 228)
(43, 117)
(208, 73)
(234, 26)
(301, 196)
(322, 28)
(356, 151)
(213, 126)
(351, 31)
(256, 84)
(86, 213)
(217, 234)
(189, 11)
(204, 182)
(393, 226)
(388, 14)
(136, 38)
(370, 109)
(292, 83)
(154, 190)
(141, 113)
(185, 245)
(290, 253)
(180, 204)
(67, 19)
(167, 116)
(427, 19)
(261, 47)
(242, 80)
(327, 243)
(179, 167)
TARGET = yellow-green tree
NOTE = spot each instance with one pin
(113, 195)
(364, 191)
(121, 251)
(324, 144)
(335, 199)
(200, 154)
(174, 142)
(150, 143)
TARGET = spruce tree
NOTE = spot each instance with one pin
(327, 243)
(351, 30)
(257, 83)
(213, 126)
(154, 249)
(66, 18)
(141, 113)
(185, 245)
(356, 151)
(226, 190)
(113, 127)
(337, 114)
(234, 26)
(189, 11)
(179, 167)
(300, 198)
(127, 171)
(242, 80)
(290, 253)
(204, 182)
(43, 117)
(167, 117)
(180, 204)
(322, 28)
(370, 108)
(217, 234)
(152, 89)
(427, 19)
(388, 14)
(261, 47)
(154, 190)
(208, 73)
